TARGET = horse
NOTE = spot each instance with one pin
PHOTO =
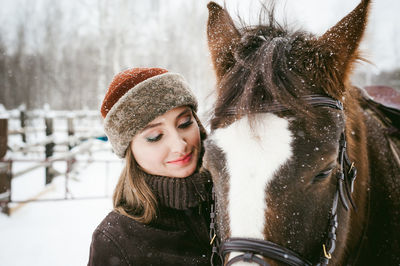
(304, 172)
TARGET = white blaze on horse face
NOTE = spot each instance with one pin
(253, 155)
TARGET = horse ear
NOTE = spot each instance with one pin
(222, 35)
(343, 39)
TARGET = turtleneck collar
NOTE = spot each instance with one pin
(181, 193)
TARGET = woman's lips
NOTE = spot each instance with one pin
(182, 160)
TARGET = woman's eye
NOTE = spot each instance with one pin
(322, 175)
(154, 139)
(186, 124)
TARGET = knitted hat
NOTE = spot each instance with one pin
(137, 96)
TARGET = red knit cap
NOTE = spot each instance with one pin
(123, 82)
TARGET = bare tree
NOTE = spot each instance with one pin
(4, 88)
(52, 64)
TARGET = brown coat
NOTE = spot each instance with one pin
(119, 240)
(178, 236)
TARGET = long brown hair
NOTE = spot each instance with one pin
(132, 196)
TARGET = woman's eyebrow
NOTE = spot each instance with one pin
(184, 112)
(150, 126)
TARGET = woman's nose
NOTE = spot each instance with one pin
(178, 143)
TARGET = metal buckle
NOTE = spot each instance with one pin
(326, 254)
(213, 238)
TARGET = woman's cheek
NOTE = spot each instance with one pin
(149, 155)
(158, 155)
(196, 138)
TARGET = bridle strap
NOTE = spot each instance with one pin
(314, 100)
(247, 257)
(344, 189)
(264, 248)
(216, 258)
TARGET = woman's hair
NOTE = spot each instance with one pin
(132, 196)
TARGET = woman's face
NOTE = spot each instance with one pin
(169, 145)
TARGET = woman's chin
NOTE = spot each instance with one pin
(184, 172)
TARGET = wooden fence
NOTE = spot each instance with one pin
(77, 138)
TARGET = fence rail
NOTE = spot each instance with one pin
(77, 137)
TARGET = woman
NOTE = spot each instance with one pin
(161, 201)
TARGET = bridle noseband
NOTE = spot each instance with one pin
(344, 188)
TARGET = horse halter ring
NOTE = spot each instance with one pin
(344, 188)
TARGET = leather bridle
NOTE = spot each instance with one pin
(252, 249)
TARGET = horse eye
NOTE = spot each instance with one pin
(322, 175)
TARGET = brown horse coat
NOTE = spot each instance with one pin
(256, 66)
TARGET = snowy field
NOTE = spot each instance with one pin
(58, 233)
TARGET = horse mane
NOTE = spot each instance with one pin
(269, 63)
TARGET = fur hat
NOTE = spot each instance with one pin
(137, 96)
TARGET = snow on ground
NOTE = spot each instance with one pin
(49, 233)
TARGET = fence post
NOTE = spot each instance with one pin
(22, 118)
(5, 171)
(49, 148)
(3, 137)
(5, 186)
(71, 132)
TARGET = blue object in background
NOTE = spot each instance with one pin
(102, 138)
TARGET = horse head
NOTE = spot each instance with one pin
(277, 133)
